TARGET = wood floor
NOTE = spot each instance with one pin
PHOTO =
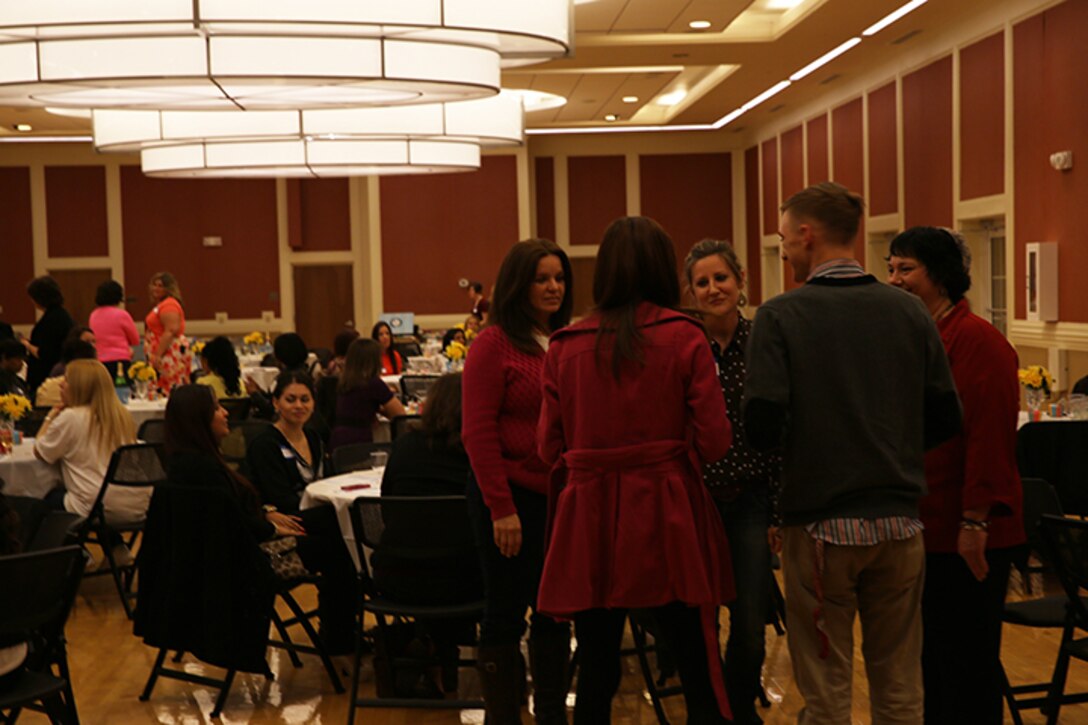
(110, 665)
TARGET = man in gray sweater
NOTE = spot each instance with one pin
(850, 378)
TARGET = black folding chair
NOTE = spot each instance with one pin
(1057, 451)
(407, 347)
(39, 589)
(1067, 541)
(237, 442)
(356, 456)
(152, 430)
(138, 465)
(237, 408)
(57, 528)
(425, 528)
(400, 425)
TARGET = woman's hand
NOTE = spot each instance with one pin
(286, 525)
(971, 545)
(508, 535)
(774, 539)
(251, 385)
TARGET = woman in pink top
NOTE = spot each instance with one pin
(165, 343)
(114, 331)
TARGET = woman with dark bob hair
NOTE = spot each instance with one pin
(507, 494)
(632, 409)
(114, 331)
(973, 511)
(48, 335)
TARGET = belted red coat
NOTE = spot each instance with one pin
(631, 522)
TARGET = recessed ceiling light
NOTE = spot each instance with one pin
(630, 99)
(671, 98)
(611, 117)
(699, 24)
(23, 127)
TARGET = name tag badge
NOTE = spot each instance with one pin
(287, 453)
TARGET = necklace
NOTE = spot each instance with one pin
(944, 312)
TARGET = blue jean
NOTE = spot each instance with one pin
(746, 519)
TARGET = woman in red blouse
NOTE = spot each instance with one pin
(507, 492)
(392, 364)
(165, 344)
(632, 410)
(973, 511)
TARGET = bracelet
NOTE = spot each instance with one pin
(269, 508)
(967, 524)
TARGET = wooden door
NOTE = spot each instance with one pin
(79, 287)
(323, 302)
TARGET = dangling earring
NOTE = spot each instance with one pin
(742, 301)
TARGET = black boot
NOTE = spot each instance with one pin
(549, 662)
(498, 666)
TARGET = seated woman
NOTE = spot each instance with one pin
(361, 395)
(223, 376)
(454, 334)
(84, 334)
(48, 393)
(12, 359)
(391, 362)
(81, 434)
(340, 345)
(283, 459)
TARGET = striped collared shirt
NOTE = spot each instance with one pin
(851, 531)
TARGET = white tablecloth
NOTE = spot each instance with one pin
(142, 410)
(1025, 419)
(264, 377)
(331, 490)
(25, 475)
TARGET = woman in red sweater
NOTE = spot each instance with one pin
(507, 491)
(632, 409)
(973, 513)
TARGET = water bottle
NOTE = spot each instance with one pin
(120, 385)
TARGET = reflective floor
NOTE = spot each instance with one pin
(110, 666)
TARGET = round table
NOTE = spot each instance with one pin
(25, 475)
(359, 484)
(142, 410)
(264, 377)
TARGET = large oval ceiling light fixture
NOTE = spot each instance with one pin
(494, 121)
(268, 54)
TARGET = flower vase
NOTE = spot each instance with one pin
(140, 388)
(7, 436)
(1035, 399)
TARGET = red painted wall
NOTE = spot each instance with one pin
(16, 245)
(793, 162)
(690, 195)
(927, 145)
(769, 155)
(544, 170)
(1051, 114)
(597, 195)
(324, 215)
(982, 118)
(816, 149)
(437, 229)
(751, 227)
(883, 163)
(848, 154)
(75, 207)
(164, 221)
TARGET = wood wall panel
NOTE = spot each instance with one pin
(544, 183)
(324, 302)
(883, 155)
(164, 222)
(816, 150)
(793, 162)
(438, 229)
(982, 118)
(582, 269)
(79, 287)
(753, 239)
(690, 195)
(324, 208)
(16, 245)
(927, 146)
(769, 161)
(1051, 115)
(75, 206)
(848, 153)
(596, 195)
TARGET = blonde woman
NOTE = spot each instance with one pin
(81, 434)
(165, 344)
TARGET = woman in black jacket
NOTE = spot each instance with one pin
(49, 332)
(285, 458)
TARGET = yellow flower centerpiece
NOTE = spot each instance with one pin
(254, 339)
(142, 375)
(197, 348)
(1038, 384)
(455, 352)
(12, 408)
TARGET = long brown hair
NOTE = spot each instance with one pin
(511, 309)
(170, 283)
(441, 421)
(635, 263)
(362, 364)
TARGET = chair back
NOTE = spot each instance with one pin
(1067, 544)
(356, 456)
(412, 527)
(1039, 498)
(237, 408)
(152, 430)
(57, 529)
(1057, 451)
(31, 512)
(400, 425)
(136, 465)
(407, 348)
(325, 398)
(39, 589)
(236, 444)
(416, 387)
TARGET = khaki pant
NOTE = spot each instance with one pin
(882, 584)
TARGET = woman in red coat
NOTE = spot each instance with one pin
(632, 409)
(507, 494)
(973, 513)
